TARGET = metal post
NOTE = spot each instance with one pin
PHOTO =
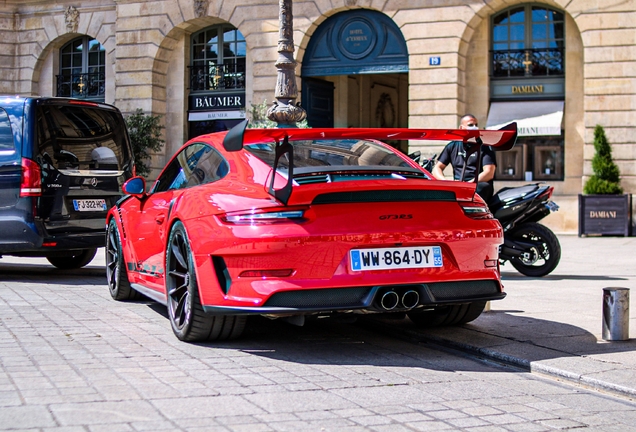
(284, 111)
(615, 314)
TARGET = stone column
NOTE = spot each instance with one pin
(285, 111)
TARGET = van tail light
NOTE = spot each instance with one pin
(76, 102)
(31, 184)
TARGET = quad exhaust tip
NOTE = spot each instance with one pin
(389, 300)
(410, 299)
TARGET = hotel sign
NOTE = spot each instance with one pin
(357, 38)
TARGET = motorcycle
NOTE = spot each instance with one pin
(532, 248)
(426, 163)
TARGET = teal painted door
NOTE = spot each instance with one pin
(317, 99)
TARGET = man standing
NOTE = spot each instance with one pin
(455, 154)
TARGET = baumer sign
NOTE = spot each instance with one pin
(223, 101)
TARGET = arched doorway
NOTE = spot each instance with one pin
(355, 72)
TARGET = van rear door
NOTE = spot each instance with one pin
(10, 166)
(85, 156)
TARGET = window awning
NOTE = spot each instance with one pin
(534, 118)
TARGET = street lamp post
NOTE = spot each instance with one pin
(285, 111)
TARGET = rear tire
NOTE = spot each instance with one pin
(546, 252)
(116, 273)
(188, 320)
(448, 315)
(72, 259)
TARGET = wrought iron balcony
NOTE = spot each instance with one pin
(528, 62)
(84, 86)
(217, 77)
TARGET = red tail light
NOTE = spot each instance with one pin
(76, 102)
(547, 193)
(31, 184)
(476, 210)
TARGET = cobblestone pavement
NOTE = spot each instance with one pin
(73, 359)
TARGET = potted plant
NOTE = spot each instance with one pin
(603, 208)
(145, 135)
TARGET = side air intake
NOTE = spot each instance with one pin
(322, 178)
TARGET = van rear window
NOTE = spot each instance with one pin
(6, 135)
(82, 138)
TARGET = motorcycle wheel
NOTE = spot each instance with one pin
(544, 255)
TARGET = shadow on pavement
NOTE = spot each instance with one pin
(21, 272)
(329, 342)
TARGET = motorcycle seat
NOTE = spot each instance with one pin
(509, 195)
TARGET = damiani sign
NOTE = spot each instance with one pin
(222, 101)
(605, 214)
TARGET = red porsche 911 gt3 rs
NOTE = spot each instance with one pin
(294, 222)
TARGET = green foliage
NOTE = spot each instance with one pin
(145, 136)
(258, 118)
(606, 178)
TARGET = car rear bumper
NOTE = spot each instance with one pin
(370, 299)
(20, 238)
(17, 235)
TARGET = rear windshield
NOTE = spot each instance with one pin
(82, 138)
(345, 153)
(6, 134)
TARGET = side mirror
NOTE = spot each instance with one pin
(135, 186)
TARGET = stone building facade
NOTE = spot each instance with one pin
(560, 66)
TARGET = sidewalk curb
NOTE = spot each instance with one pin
(535, 367)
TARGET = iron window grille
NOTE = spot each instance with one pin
(82, 85)
(217, 77)
(528, 41)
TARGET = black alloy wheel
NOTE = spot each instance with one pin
(72, 259)
(543, 256)
(447, 315)
(116, 273)
(189, 322)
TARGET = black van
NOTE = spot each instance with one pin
(62, 165)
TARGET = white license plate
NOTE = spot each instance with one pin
(396, 258)
(90, 205)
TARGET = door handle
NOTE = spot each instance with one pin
(160, 219)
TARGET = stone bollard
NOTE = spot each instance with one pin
(615, 314)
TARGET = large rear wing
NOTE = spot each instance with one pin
(473, 139)
(500, 140)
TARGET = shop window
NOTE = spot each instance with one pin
(532, 158)
(82, 70)
(548, 162)
(528, 41)
(510, 164)
(218, 59)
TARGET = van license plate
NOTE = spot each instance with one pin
(396, 258)
(90, 205)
